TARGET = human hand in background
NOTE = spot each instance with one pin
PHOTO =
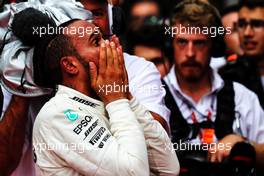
(223, 148)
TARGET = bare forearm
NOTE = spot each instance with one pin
(12, 134)
(260, 154)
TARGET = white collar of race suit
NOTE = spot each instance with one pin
(80, 98)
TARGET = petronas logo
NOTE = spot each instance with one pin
(71, 115)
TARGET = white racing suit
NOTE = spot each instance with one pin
(74, 135)
(16, 67)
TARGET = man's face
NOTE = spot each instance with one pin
(251, 31)
(230, 20)
(143, 9)
(100, 15)
(192, 53)
(155, 56)
(87, 45)
(140, 11)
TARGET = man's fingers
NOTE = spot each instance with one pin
(216, 156)
(119, 66)
(121, 56)
(213, 157)
(102, 58)
(115, 55)
(109, 55)
(115, 39)
(93, 74)
(220, 156)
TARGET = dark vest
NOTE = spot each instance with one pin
(244, 70)
(180, 129)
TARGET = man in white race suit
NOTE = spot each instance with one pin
(16, 67)
(123, 140)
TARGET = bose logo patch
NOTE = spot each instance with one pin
(85, 102)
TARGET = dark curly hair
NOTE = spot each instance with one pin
(251, 4)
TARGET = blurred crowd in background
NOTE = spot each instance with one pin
(239, 57)
(144, 29)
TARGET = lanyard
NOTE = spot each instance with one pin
(206, 135)
(193, 109)
(194, 119)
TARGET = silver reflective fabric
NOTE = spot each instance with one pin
(16, 65)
